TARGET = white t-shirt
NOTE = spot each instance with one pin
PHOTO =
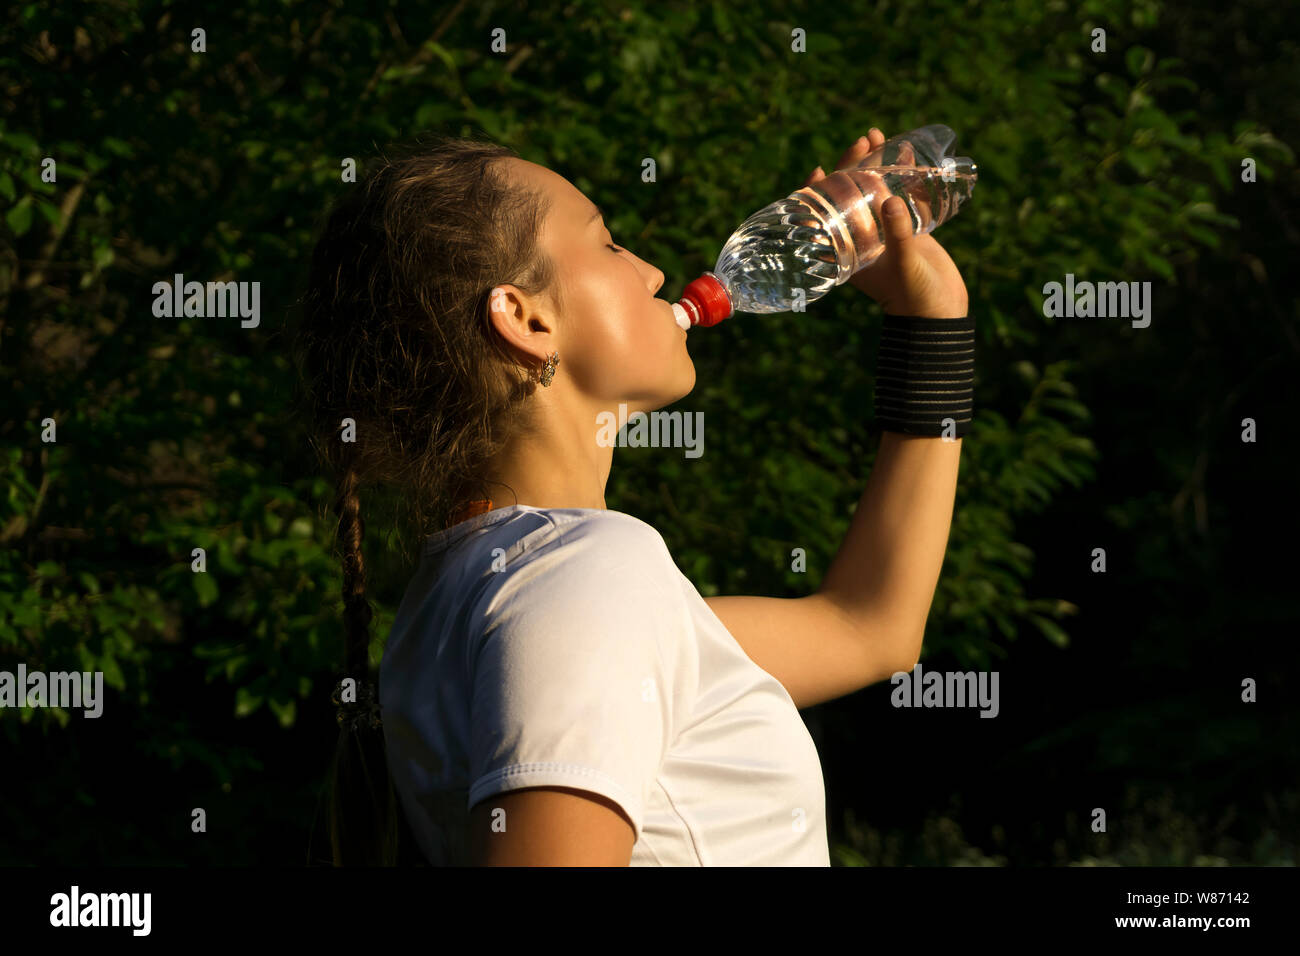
(564, 647)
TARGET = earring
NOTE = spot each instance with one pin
(548, 370)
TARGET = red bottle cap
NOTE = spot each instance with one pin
(706, 301)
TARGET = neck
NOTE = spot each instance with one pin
(556, 462)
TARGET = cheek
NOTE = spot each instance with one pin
(623, 344)
(601, 344)
(623, 351)
(614, 321)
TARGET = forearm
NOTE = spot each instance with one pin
(887, 567)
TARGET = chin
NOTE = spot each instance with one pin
(689, 385)
(681, 385)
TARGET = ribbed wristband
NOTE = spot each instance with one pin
(925, 372)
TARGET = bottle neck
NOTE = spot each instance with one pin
(706, 301)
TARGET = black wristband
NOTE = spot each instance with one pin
(925, 373)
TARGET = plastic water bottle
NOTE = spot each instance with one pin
(804, 245)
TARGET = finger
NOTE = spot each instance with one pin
(855, 153)
(859, 151)
(898, 223)
(816, 175)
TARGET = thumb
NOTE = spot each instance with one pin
(898, 224)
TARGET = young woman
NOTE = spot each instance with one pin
(553, 689)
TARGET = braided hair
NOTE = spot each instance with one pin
(396, 349)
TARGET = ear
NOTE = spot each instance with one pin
(515, 316)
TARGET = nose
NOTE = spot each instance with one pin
(656, 275)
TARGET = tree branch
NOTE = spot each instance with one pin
(70, 202)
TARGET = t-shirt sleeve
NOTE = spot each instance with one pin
(572, 683)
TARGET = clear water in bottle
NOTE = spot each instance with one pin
(819, 236)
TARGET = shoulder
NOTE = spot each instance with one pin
(611, 527)
(586, 565)
(585, 537)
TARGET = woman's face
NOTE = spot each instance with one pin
(617, 342)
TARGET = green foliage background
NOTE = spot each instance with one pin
(174, 434)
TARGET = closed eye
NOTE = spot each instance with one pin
(610, 246)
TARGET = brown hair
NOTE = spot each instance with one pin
(394, 334)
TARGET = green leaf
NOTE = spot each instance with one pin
(1158, 264)
(722, 20)
(50, 211)
(236, 666)
(1139, 60)
(401, 70)
(19, 218)
(27, 616)
(285, 711)
(1050, 630)
(205, 588)
(113, 675)
(21, 142)
(442, 54)
(246, 702)
(1143, 161)
(117, 146)
(276, 551)
(1207, 236)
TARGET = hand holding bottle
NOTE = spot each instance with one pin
(914, 275)
(833, 230)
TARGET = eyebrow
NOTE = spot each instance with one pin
(598, 214)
